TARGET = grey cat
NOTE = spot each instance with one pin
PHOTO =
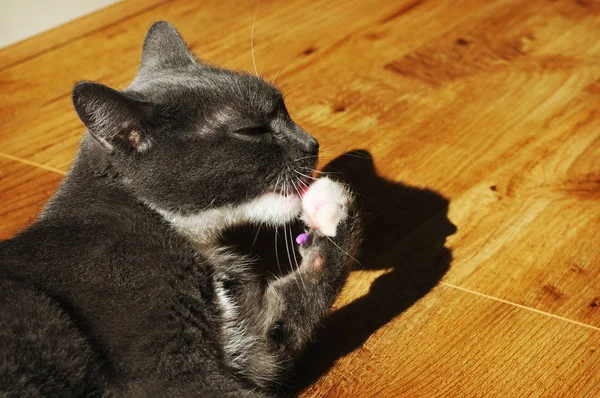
(123, 288)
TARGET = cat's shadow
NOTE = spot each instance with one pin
(405, 230)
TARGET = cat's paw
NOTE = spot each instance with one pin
(324, 205)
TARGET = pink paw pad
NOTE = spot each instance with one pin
(317, 262)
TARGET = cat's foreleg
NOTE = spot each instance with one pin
(294, 305)
(265, 328)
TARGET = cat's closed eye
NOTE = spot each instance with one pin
(253, 131)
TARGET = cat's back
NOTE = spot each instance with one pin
(69, 251)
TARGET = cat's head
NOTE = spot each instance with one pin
(188, 138)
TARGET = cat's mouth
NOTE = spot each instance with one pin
(295, 187)
(290, 192)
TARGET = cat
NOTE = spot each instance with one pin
(122, 287)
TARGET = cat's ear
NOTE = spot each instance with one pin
(115, 120)
(164, 48)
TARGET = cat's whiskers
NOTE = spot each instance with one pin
(277, 251)
(277, 231)
(311, 170)
(332, 151)
(291, 236)
(296, 259)
(304, 157)
(277, 74)
(322, 173)
(252, 38)
(326, 174)
(256, 236)
(304, 175)
(293, 89)
(287, 248)
(304, 185)
(344, 251)
(340, 152)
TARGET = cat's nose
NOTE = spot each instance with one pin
(307, 143)
(312, 146)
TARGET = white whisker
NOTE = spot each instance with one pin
(304, 175)
(343, 251)
(296, 259)
(293, 248)
(252, 39)
(277, 251)
(277, 74)
(305, 157)
(256, 236)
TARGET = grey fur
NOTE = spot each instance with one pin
(105, 296)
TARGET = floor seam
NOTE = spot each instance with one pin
(548, 314)
(34, 164)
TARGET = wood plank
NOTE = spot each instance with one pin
(23, 191)
(53, 39)
(452, 344)
(534, 238)
(100, 56)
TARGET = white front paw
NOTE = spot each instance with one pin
(324, 205)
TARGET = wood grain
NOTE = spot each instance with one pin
(478, 172)
(23, 191)
(50, 41)
(451, 344)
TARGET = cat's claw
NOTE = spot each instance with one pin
(325, 205)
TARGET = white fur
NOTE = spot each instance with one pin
(239, 340)
(324, 205)
(225, 303)
(205, 227)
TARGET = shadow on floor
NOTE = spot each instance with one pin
(405, 232)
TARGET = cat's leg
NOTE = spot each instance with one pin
(296, 304)
(275, 323)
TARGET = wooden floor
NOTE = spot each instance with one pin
(475, 127)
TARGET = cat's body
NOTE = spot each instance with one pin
(121, 287)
